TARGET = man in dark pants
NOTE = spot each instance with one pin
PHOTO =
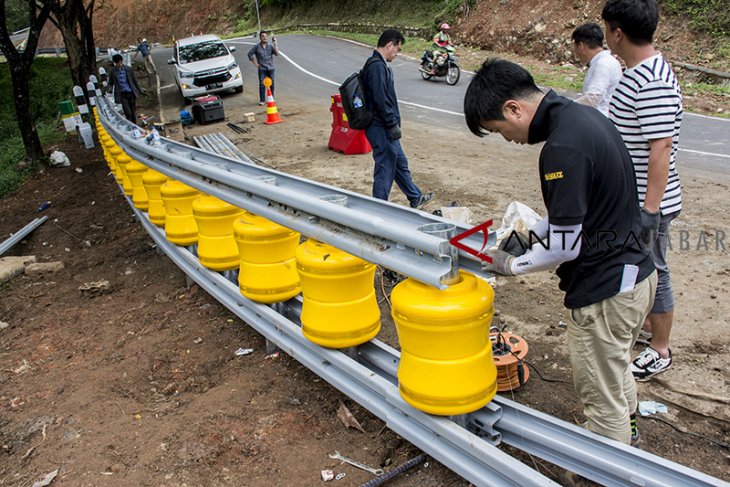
(262, 56)
(592, 230)
(126, 88)
(384, 133)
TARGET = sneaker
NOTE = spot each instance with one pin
(649, 363)
(644, 338)
(425, 198)
(635, 438)
(261, 103)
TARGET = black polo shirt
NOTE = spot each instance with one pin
(587, 178)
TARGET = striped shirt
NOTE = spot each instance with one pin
(647, 105)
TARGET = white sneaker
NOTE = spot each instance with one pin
(644, 338)
(649, 363)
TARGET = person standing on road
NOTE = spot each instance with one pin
(144, 48)
(384, 132)
(262, 56)
(604, 71)
(587, 183)
(646, 108)
(126, 88)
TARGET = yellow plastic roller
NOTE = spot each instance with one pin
(180, 226)
(114, 152)
(135, 171)
(122, 160)
(446, 364)
(217, 250)
(268, 270)
(339, 309)
(152, 180)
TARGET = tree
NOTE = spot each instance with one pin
(74, 19)
(20, 64)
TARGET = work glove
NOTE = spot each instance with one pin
(515, 244)
(501, 262)
(394, 133)
(649, 227)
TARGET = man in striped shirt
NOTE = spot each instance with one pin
(646, 108)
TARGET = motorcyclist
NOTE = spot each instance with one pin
(441, 44)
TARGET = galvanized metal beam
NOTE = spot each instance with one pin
(372, 380)
(478, 461)
(8, 243)
(377, 231)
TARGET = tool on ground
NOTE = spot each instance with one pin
(394, 472)
(237, 128)
(375, 471)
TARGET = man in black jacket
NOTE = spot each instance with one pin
(592, 229)
(126, 88)
(384, 133)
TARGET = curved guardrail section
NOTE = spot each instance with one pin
(378, 231)
(368, 373)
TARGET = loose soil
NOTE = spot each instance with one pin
(138, 385)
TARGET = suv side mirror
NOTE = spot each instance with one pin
(232, 48)
(171, 61)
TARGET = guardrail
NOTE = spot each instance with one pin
(62, 50)
(466, 444)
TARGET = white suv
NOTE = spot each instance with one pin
(203, 64)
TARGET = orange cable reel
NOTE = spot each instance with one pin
(509, 351)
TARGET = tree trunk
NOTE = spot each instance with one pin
(20, 74)
(20, 64)
(74, 20)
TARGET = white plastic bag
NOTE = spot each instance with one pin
(518, 217)
(59, 159)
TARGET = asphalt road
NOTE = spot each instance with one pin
(313, 67)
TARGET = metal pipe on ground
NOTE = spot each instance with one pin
(19, 235)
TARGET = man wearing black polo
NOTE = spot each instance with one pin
(593, 224)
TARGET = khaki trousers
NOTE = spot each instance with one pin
(600, 338)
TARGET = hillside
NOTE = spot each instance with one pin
(539, 28)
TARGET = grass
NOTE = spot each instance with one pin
(50, 82)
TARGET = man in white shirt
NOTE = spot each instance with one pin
(604, 71)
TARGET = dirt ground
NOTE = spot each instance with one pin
(138, 385)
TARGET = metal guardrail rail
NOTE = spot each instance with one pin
(377, 231)
(368, 374)
(20, 234)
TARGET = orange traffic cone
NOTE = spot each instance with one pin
(272, 114)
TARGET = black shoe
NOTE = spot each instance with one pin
(425, 198)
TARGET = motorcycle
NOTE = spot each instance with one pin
(444, 65)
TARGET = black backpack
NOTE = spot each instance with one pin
(354, 103)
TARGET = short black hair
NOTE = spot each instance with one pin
(589, 34)
(637, 19)
(496, 82)
(262, 33)
(391, 35)
(116, 58)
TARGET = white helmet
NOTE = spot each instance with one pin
(444, 26)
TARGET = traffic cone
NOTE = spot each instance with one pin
(272, 114)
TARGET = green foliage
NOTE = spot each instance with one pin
(710, 16)
(16, 13)
(50, 82)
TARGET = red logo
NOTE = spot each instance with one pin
(484, 228)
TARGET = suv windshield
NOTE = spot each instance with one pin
(201, 51)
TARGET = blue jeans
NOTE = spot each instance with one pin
(263, 73)
(391, 165)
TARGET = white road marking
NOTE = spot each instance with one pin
(705, 153)
(460, 114)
